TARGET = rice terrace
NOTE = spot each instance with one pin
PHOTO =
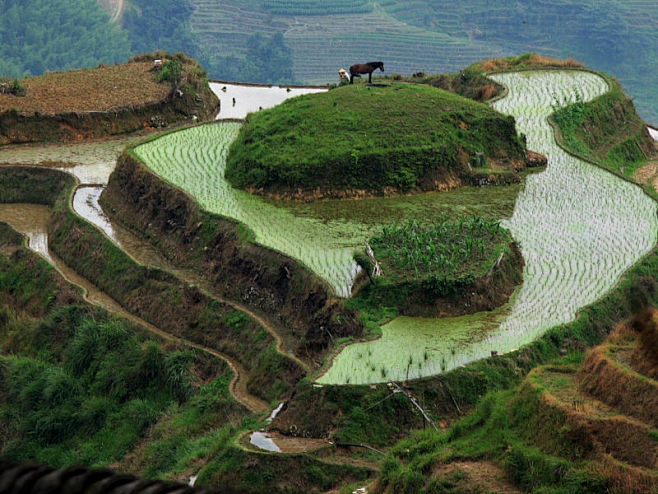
(388, 286)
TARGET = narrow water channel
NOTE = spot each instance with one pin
(579, 229)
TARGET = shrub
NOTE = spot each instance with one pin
(172, 71)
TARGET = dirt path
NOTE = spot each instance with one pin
(118, 10)
(237, 386)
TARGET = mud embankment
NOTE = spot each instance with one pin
(302, 306)
(16, 127)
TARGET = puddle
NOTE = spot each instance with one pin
(249, 99)
(263, 441)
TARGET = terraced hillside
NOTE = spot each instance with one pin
(419, 35)
(574, 427)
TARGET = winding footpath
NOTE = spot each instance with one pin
(579, 227)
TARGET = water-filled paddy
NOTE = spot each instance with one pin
(322, 235)
(579, 228)
(250, 99)
(91, 162)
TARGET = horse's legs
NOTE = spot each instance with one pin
(351, 78)
(369, 77)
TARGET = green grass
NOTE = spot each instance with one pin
(607, 130)
(445, 248)
(496, 431)
(82, 387)
(367, 137)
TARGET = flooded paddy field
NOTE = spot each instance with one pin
(237, 100)
(323, 235)
(579, 228)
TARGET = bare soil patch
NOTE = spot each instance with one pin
(647, 174)
(87, 90)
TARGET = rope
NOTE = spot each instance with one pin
(27, 478)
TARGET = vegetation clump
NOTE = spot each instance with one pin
(380, 139)
(445, 248)
(9, 86)
(444, 267)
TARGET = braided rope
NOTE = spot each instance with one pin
(28, 478)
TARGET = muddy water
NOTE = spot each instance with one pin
(32, 221)
(91, 162)
(249, 99)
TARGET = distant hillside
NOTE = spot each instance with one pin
(443, 36)
(433, 36)
(40, 35)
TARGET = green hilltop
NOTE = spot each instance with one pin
(382, 138)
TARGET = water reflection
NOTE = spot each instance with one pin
(238, 100)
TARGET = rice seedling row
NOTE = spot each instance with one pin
(579, 229)
(321, 235)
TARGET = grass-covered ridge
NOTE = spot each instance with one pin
(388, 137)
(608, 130)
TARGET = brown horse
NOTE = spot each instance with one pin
(365, 68)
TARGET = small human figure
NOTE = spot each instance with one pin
(342, 73)
(233, 101)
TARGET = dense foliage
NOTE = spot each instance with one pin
(443, 247)
(268, 60)
(361, 137)
(161, 25)
(40, 35)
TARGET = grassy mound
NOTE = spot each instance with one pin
(391, 137)
(448, 267)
